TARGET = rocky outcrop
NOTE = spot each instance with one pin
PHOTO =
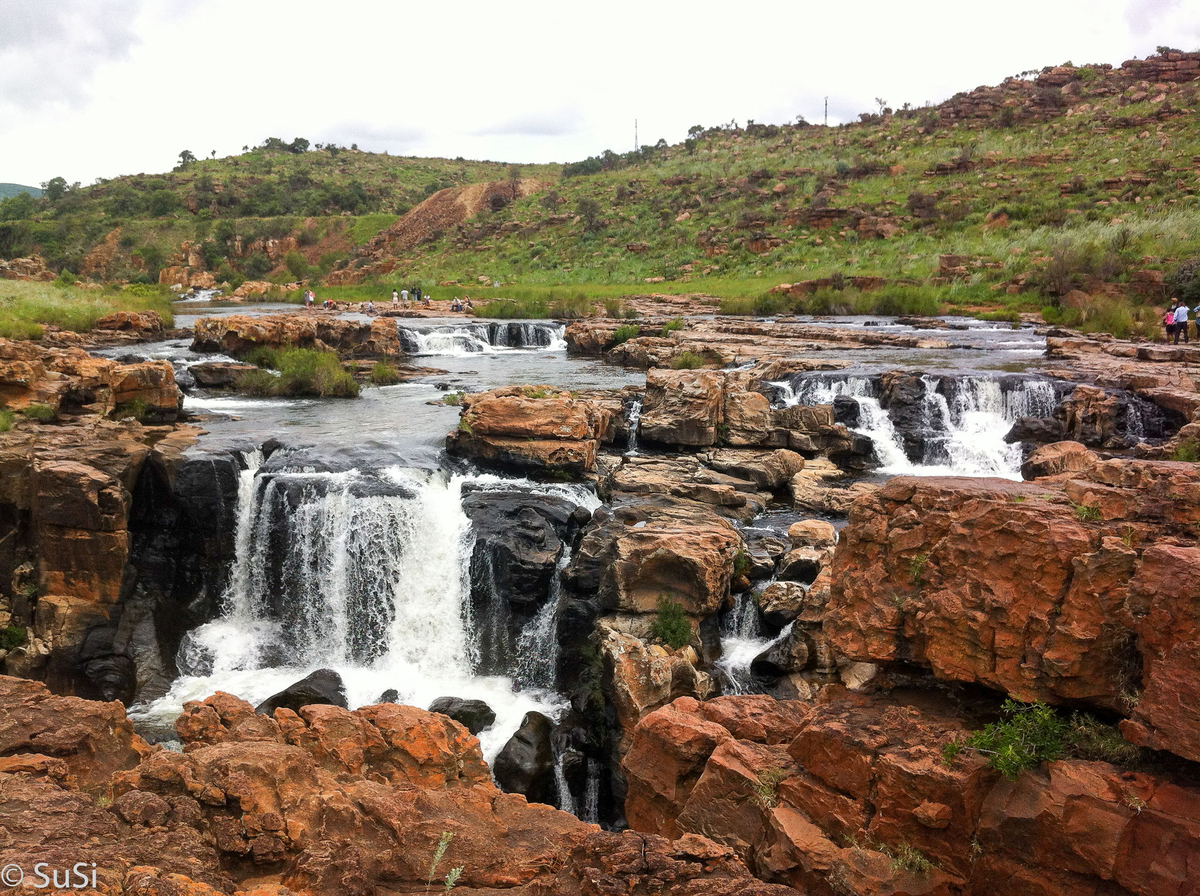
(1027, 588)
(325, 802)
(115, 547)
(237, 334)
(530, 428)
(69, 381)
(31, 268)
(634, 556)
(853, 797)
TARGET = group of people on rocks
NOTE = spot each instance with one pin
(400, 298)
(1176, 321)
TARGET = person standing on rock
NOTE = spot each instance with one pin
(1181, 322)
(395, 300)
(404, 297)
(1169, 321)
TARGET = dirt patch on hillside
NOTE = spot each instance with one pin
(443, 210)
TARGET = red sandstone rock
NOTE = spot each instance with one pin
(92, 739)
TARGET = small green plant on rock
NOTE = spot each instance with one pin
(624, 333)
(916, 566)
(671, 326)
(6, 420)
(765, 789)
(12, 636)
(909, 858)
(1086, 513)
(130, 410)
(687, 361)
(671, 626)
(42, 413)
(1187, 451)
(742, 563)
(452, 399)
(438, 855)
(384, 374)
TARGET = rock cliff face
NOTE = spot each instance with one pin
(1022, 587)
(841, 797)
(238, 334)
(324, 801)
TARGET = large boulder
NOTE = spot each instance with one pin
(683, 407)
(640, 554)
(237, 334)
(322, 687)
(474, 715)
(526, 763)
(531, 428)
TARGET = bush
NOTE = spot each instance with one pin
(1033, 733)
(671, 626)
(130, 410)
(384, 374)
(569, 309)
(6, 420)
(687, 361)
(42, 413)
(302, 372)
(12, 636)
(1184, 282)
(257, 266)
(624, 333)
(671, 326)
(297, 264)
(1188, 451)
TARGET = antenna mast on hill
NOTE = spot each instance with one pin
(635, 143)
(826, 111)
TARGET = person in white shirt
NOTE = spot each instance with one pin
(1181, 322)
(404, 297)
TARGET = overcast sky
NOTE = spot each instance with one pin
(99, 88)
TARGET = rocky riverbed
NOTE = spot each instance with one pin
(740, 610)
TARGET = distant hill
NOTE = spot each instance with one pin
(9, 190)
(1006, 199)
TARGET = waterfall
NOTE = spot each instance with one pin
(566, 802)
(957, 429)
(537, 646)
(481, 338)
(591, 796)
(362, 572)
(634, 419)
(742, 639)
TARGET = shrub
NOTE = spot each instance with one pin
(384, 374)
(624, 333)
(130, 410)
(909, 858)
(1029, 735)
(1184, 282)
(6, 420)
(765, 789)
(257, 266)
(42, 413)
(12, 636)
(671, 625)
(1087, 513)
(297, 264)
(671, 326)
(302, 371)
(1188, 451)
(687, 361)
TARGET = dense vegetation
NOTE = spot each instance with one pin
(26, 308)
(1085, 183)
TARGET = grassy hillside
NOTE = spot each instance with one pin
(9, 190)
(1078, 178)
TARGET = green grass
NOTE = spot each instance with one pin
(687, 361)
(671, 625)
(26, 307)
(1086, 513)
(384, 374)
(676, 323)
(1188, 451)
(7, 418)
(12, 636)
(41, 413)
(624, 333)
(302, 372)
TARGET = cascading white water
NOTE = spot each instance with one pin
(482, 338)
(566, 802)
(742, 639)
(963, 434)
(634, 420)
(363, 574)
(874, 421)
(537, 645)
(591, 796)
